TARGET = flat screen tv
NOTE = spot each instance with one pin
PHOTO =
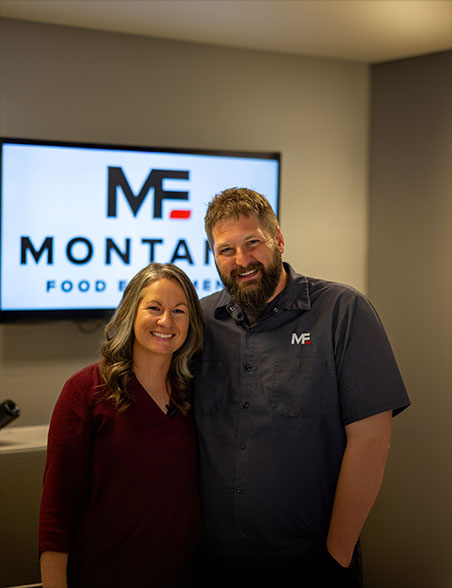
(78, 220)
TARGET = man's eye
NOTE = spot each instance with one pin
(226, 251)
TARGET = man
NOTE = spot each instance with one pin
(294, 397)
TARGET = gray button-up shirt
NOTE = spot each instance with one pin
(271, 401)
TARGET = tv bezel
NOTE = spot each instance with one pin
(84, 314)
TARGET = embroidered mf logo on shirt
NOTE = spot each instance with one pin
(304, 339)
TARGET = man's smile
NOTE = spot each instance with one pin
(247, 275)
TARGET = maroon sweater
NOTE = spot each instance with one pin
(120, 490)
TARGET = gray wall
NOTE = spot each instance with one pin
(74, 84)
(410, 280)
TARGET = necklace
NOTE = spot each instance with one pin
(160, 394)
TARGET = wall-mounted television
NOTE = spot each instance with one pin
(78, 220)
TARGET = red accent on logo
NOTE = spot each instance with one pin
(307, 342)
(180, 214)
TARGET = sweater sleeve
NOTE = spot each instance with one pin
(67, 463)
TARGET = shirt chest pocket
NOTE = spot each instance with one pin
(208, 387)
(298, 388)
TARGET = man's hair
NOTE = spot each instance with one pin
(116, 365)
(232, 203)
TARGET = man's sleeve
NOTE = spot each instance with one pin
(368, 376)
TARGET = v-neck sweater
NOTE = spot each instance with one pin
(120, 490)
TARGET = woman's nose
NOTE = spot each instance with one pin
(165, 318)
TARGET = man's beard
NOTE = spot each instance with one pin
(254, 294)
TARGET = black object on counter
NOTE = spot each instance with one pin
(8, 412)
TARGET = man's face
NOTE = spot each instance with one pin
(249, 260)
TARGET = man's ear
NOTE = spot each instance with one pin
(279, 240)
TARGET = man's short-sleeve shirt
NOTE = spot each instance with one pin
(271, 402)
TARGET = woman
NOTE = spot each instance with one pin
(120, 499)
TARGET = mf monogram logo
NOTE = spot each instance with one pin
(302, 339)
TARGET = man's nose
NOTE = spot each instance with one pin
(242, 258)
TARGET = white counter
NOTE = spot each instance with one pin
(14, 439)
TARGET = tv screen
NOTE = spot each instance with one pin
(79, 220)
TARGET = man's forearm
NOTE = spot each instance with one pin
(359, 482)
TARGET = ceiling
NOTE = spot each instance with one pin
(367, 31)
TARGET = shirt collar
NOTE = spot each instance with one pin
(294, 296)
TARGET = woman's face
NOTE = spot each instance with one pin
(162, 319)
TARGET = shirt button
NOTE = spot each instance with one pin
(245, 405)
(276, 309)
(242, 533)
(248, 367)
(239, 490)
(250, 330)
(231, 308)
(242, 445)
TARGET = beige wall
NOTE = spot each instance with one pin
(410, 281)
(74, 84)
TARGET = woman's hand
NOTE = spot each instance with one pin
(53, 569)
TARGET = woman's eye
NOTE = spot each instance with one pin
(179, 310)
